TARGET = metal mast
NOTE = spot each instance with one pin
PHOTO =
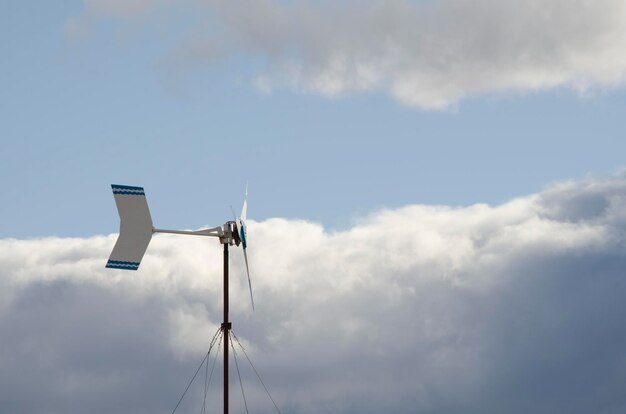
(226, 326)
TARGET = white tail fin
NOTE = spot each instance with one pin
(135, 227)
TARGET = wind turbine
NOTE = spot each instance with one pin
(136, 230)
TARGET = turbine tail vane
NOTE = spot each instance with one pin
(135, 227)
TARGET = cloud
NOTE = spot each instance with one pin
(427, 54)
(512, 308)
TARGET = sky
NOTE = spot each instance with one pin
(436, 197)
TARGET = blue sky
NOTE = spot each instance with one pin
(82, 113)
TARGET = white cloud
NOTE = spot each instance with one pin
(513, 308)
(428, 54)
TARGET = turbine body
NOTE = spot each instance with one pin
(136, 230)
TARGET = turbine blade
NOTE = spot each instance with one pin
(245, 256)
(244, 209)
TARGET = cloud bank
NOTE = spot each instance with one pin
(427, 54)
(513, 308)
